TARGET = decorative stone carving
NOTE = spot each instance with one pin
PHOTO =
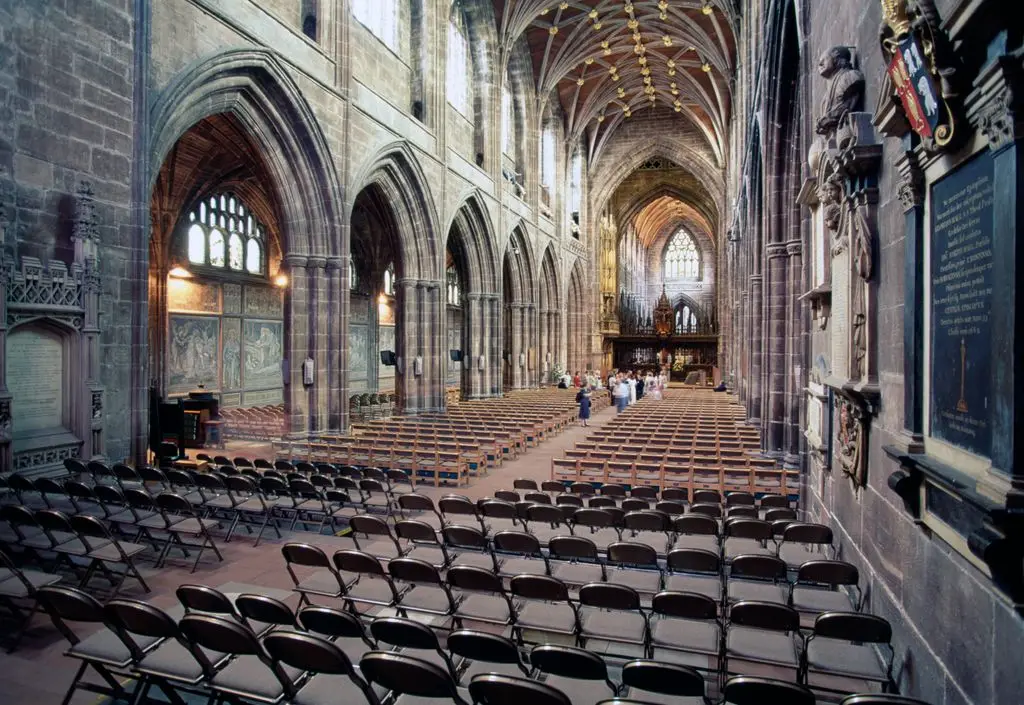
(851, 440)
(921, 89)
(85, 217)
(845, 92)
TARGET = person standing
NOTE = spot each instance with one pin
(583, 399)
(621, 394)
(612, 381)
(576, 380)
(641, 385)
(631, 385)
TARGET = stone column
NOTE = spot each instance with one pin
(337, 342)
(494, 328)
(435, 354)
(316, 342)
(472, 335)
(777, 365)
(530, 376)
(755, 338)
(518, 320)
(796, 363)
(406, 332)
(296, 320)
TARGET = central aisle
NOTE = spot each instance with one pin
(534, 463)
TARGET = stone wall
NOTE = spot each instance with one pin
(66, 77)
(957, 638)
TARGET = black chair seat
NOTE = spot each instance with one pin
(248, 676)
(615, 625)
(105, 647)
(685, 634)
(579, 691)
(703, 585)
(330, 689)
(576, 573)
(485, 608)
(542, 616)
(761, 645)
(174, 662)
(845, 659)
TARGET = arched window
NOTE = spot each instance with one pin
(309, 19)
(686, 320)
(547, 157)
(460, 68)
(389, 280)
(380, 17)
(454, 286)
(222, 233)
(353, 278)
(508, 125)
(576, 182)
(682, 259)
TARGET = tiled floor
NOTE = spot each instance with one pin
(39, 674)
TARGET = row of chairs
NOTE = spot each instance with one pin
(256, 649)
(163, 521)
(537, 606)
(812, 587)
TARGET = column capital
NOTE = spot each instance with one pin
(775, 250)
(794, 247)
(335, 262)
(293, 260)
(316, 262)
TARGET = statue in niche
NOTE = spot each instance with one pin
(845, 89)
(830, 193)
(863, 251)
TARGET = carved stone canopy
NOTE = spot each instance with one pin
(663, 315)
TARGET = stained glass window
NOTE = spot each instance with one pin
(353, 279)
(222, 234)
(682, 258)
(389, 280)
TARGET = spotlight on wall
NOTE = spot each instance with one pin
(708, 7)
(179, 272)
(281, 280)
(382, 299)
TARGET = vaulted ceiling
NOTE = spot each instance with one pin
(606, 60)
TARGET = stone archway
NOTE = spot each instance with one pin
(395, 182)
(520, 313)
(577, 322)
(470, 241)
(549, 312)
(245, 100)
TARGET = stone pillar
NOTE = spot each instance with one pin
(494, 328)
(316, 343)
(296, 321)
(796, 362)
(755, 338)
(530, 344)
(337, 342)
(435, 354)
(518, 334)
(777, 365)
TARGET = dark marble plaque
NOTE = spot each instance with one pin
(961, 302)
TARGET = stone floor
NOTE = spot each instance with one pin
(38, 673)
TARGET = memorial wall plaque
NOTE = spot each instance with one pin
(184, 296)
(35, 378)
(961, 302)
(263, 348)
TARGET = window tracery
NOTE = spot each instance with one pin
(223, 234)
(682, 259)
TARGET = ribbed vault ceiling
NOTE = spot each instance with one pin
(666, 213)
(608, 59)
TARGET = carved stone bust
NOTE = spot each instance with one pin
(845, 92)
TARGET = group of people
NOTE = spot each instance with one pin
(629, 387)
(624, 388)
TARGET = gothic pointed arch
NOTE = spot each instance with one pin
(254, 87)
